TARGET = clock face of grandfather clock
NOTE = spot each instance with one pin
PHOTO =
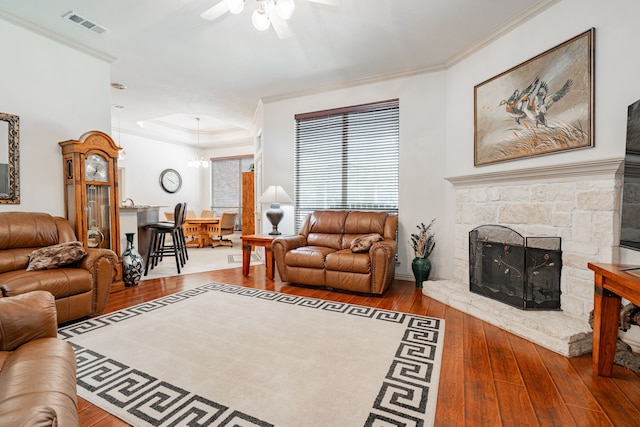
(96, 168)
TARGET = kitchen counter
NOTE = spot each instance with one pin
(133, 219)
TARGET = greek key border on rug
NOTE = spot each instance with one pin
(401, 401)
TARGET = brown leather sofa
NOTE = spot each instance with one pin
(321, 255)
(80, 289)
(37, 369)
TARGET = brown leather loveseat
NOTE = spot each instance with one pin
(321, 254)
(80, 289)
(37, 369)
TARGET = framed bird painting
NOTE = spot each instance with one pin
(542, 106)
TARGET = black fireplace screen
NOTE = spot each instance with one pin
(522, 272)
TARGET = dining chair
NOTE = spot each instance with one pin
(207, 214)
(225, 227)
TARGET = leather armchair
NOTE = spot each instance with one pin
(37, 369)
(80, 289)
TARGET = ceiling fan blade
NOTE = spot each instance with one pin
(327, 2)
(216, 11)
(280, 26)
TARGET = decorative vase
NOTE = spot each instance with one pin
(132, 263)
(421, 269)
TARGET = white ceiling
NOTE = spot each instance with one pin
(177, 66)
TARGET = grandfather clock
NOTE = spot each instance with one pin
(90, 168)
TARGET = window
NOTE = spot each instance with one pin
(347, 158)
(226, 182)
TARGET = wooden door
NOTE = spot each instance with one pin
(248, 204)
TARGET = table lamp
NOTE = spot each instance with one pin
(275, 195)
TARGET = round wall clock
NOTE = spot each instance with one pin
(170, 180)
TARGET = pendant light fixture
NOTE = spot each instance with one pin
(199, 162)
(119, 87)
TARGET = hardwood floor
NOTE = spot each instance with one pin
(489, 377)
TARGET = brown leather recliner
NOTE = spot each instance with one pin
(37, 369)
(321, 255)
(80, 289)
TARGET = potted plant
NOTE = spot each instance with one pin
(423, 242)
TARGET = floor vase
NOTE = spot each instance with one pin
(132, 263)
(421, 269)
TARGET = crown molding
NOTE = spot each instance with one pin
(56, 38)
(527, 14)
(518, 20)
(239, 142)
(352, 83)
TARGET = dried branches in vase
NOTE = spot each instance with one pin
(424, 240)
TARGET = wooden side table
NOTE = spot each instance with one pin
(611, 282)
(251, 240)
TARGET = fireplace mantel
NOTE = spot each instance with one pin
(592, 169)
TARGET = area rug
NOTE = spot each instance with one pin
(223, 355)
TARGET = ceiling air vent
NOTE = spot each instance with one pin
(84, 22)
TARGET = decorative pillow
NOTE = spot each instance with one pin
(363, 243)
(56, 256)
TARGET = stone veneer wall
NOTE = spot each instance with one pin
(579, 203)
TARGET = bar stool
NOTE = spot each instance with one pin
(183, 237)
(158, 245)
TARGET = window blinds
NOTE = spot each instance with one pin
(347, 159)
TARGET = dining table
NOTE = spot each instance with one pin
(197, 229)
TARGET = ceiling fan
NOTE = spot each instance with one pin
(269, 13)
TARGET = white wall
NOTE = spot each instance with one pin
(59, 94)
(616, 81)
(422, 151)
(146, 158)
(436, 115)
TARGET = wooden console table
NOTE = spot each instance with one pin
(612, 282)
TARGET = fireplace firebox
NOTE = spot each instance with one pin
(523, 272)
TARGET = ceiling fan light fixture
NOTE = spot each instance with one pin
(235, 6)
(285, 8)
(260, 19)
(269, 13)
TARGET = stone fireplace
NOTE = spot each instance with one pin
(578, 203)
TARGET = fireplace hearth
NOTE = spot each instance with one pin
(523, 272)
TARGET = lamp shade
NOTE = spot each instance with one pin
(275, 195)
(260, 20)
(284, 8)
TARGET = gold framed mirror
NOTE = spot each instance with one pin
(9, 159)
